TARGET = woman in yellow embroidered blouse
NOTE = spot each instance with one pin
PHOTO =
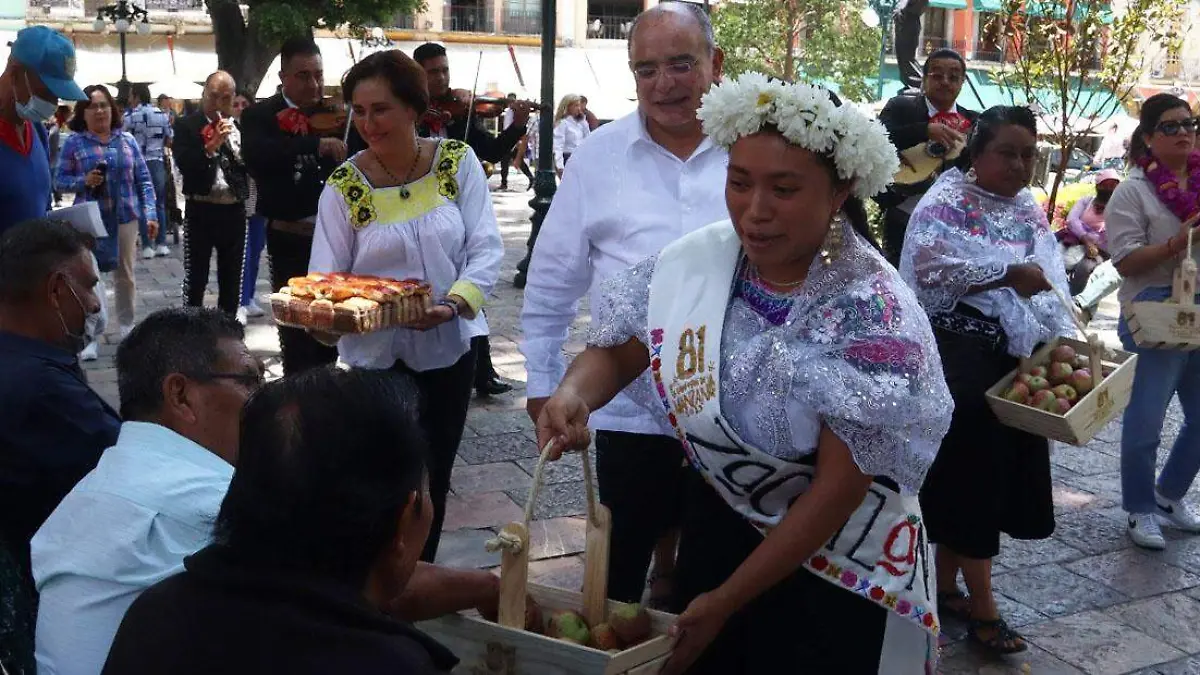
(413, 208)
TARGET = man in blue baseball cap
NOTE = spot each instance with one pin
(40, 72)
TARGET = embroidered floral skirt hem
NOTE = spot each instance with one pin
(803, 625)
(988, 478)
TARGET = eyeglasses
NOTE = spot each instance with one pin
(678, 68)
(1173, 127)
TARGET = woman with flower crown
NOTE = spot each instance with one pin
(1149, 217)
(801, 376)
(980, 255)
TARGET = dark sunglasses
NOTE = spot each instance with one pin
(1173, 127)
(252, 380)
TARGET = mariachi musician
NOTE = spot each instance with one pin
(448, 117)
(930, 131)
(291, 144)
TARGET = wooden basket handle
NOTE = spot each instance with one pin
(1093, 342)
(513, 541)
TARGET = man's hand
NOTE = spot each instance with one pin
(222, 130)
(521, 110)
(1027, 280)
(93, 178)
(332, 148)
(940, 133)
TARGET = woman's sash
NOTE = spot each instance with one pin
(881, 553)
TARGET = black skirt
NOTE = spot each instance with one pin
(988, 478)
(802, 625)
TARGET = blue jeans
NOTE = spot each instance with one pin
(1160, 374)
(256, 238)
(158, 175)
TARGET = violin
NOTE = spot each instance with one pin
(459, 104)
(326, 120)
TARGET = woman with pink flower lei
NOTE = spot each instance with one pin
(801, 377)
(1149, 216)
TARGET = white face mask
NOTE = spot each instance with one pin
(77, 341)
(36, 109)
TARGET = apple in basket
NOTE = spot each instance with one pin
(1081, 379)
(631, 623)
(1045, 400)
(1038, 371)
(1063, 354)
(568, 626)
(1060, 372)
(1017, 393)
(1037, 384)
(1066, 392)
(1063, 406)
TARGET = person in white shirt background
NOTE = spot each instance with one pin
(570, 128)
(635, 185)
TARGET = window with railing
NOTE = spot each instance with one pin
(609, 26)
(47, 6)
(521, 17)
(172, 5)
(469, 18)
(989, 38)
(933, 26)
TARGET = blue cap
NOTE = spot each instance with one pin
(51, 56)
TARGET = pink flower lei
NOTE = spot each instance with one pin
(1183, 203)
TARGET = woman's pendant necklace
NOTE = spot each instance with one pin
(404, 192)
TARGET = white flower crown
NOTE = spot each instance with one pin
(806, 117)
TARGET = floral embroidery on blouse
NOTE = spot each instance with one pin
(357, 195)
(447, 168)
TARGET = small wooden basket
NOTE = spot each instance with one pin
(1173, 323)
(1112, 377)
(505, 648)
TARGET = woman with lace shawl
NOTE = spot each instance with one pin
(980, 255)
(801, 376)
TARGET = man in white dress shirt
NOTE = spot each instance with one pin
(634, 186)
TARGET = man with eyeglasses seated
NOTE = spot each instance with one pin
(633, 186)
(931, 125)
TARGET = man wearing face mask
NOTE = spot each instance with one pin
(39, 72)
(53, 426)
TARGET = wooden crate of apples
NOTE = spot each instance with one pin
(541, 630)
(1066, 391)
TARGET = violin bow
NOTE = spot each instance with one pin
(471, 108)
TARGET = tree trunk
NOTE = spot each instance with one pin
(240, 51)
(792, 34)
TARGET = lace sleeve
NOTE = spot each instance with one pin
(879, 384)
(621, 313)
(947, 250)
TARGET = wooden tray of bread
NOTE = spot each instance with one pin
(347, 304)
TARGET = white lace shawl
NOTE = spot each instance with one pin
(960, 236)
(856, 353)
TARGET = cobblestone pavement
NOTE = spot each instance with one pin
(1087, 600)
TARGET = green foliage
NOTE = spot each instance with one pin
(831, 42)
(1077, 63)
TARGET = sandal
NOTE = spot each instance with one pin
(954, 604)
(1003, 643)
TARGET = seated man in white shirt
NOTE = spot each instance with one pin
(183, 375)
(634, 186)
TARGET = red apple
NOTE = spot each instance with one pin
(1037, 384)
(1023, 378)
(1062, 405)
(1045, 400)
(1038, 371)
(1066, 391)
(1063, 354)
(1018, 393)
(1082, 381)
(1060, 372)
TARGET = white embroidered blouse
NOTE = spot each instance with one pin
(444, 233)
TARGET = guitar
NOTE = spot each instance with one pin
(922, 163)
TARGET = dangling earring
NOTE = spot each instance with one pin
(971, 176)
(833, 239)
